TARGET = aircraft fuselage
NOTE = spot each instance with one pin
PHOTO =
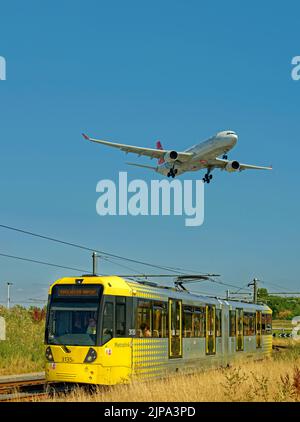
(203, 153)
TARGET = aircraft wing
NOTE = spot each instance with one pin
(142, 165)
(148, 152)
(221, 163)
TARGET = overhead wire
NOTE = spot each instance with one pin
(101, 252)
(35, 261)
(273, 284)
(104, 255)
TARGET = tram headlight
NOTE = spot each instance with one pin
(91, 356)
(49, 355)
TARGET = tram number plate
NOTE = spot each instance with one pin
(67, 359)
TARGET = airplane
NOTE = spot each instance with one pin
(205, 155)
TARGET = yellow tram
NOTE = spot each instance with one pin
(108, 330)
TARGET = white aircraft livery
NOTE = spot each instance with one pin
(201, 156)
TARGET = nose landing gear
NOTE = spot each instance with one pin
(172, 173)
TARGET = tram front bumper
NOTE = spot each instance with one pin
(86, 373)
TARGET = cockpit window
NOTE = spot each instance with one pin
(230, 133)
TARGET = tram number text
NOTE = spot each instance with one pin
(66, 359)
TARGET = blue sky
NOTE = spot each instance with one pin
(135, 72)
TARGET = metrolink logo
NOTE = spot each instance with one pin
(160, 197)
(2, 69)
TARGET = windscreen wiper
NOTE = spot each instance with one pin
(63, 346)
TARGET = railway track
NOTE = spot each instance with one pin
(24, 387)
(29, 387)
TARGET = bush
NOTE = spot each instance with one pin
(23, 349)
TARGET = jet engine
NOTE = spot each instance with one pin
(170, 156)
(232, 166)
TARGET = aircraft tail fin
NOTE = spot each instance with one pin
(159, 146)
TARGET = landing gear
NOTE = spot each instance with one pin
(207, 177)
(225, 156)
(172, 173)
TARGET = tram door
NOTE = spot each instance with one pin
(239, 330)
(258, 329)
(175, 328)
(210, 330)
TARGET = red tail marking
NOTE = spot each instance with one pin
(86, 137)
(159, 146)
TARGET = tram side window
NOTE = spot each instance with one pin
(120, 316)
(252, 325)
(232, 323)
(268, 323)
(199, 322)
(249, 324)
(108, 322)
(159, 319)
(218, 323)
(187, 321)
(144, 319)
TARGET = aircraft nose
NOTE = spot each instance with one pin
(234, 138)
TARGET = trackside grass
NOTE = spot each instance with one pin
(270, 380)
(23, 349)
